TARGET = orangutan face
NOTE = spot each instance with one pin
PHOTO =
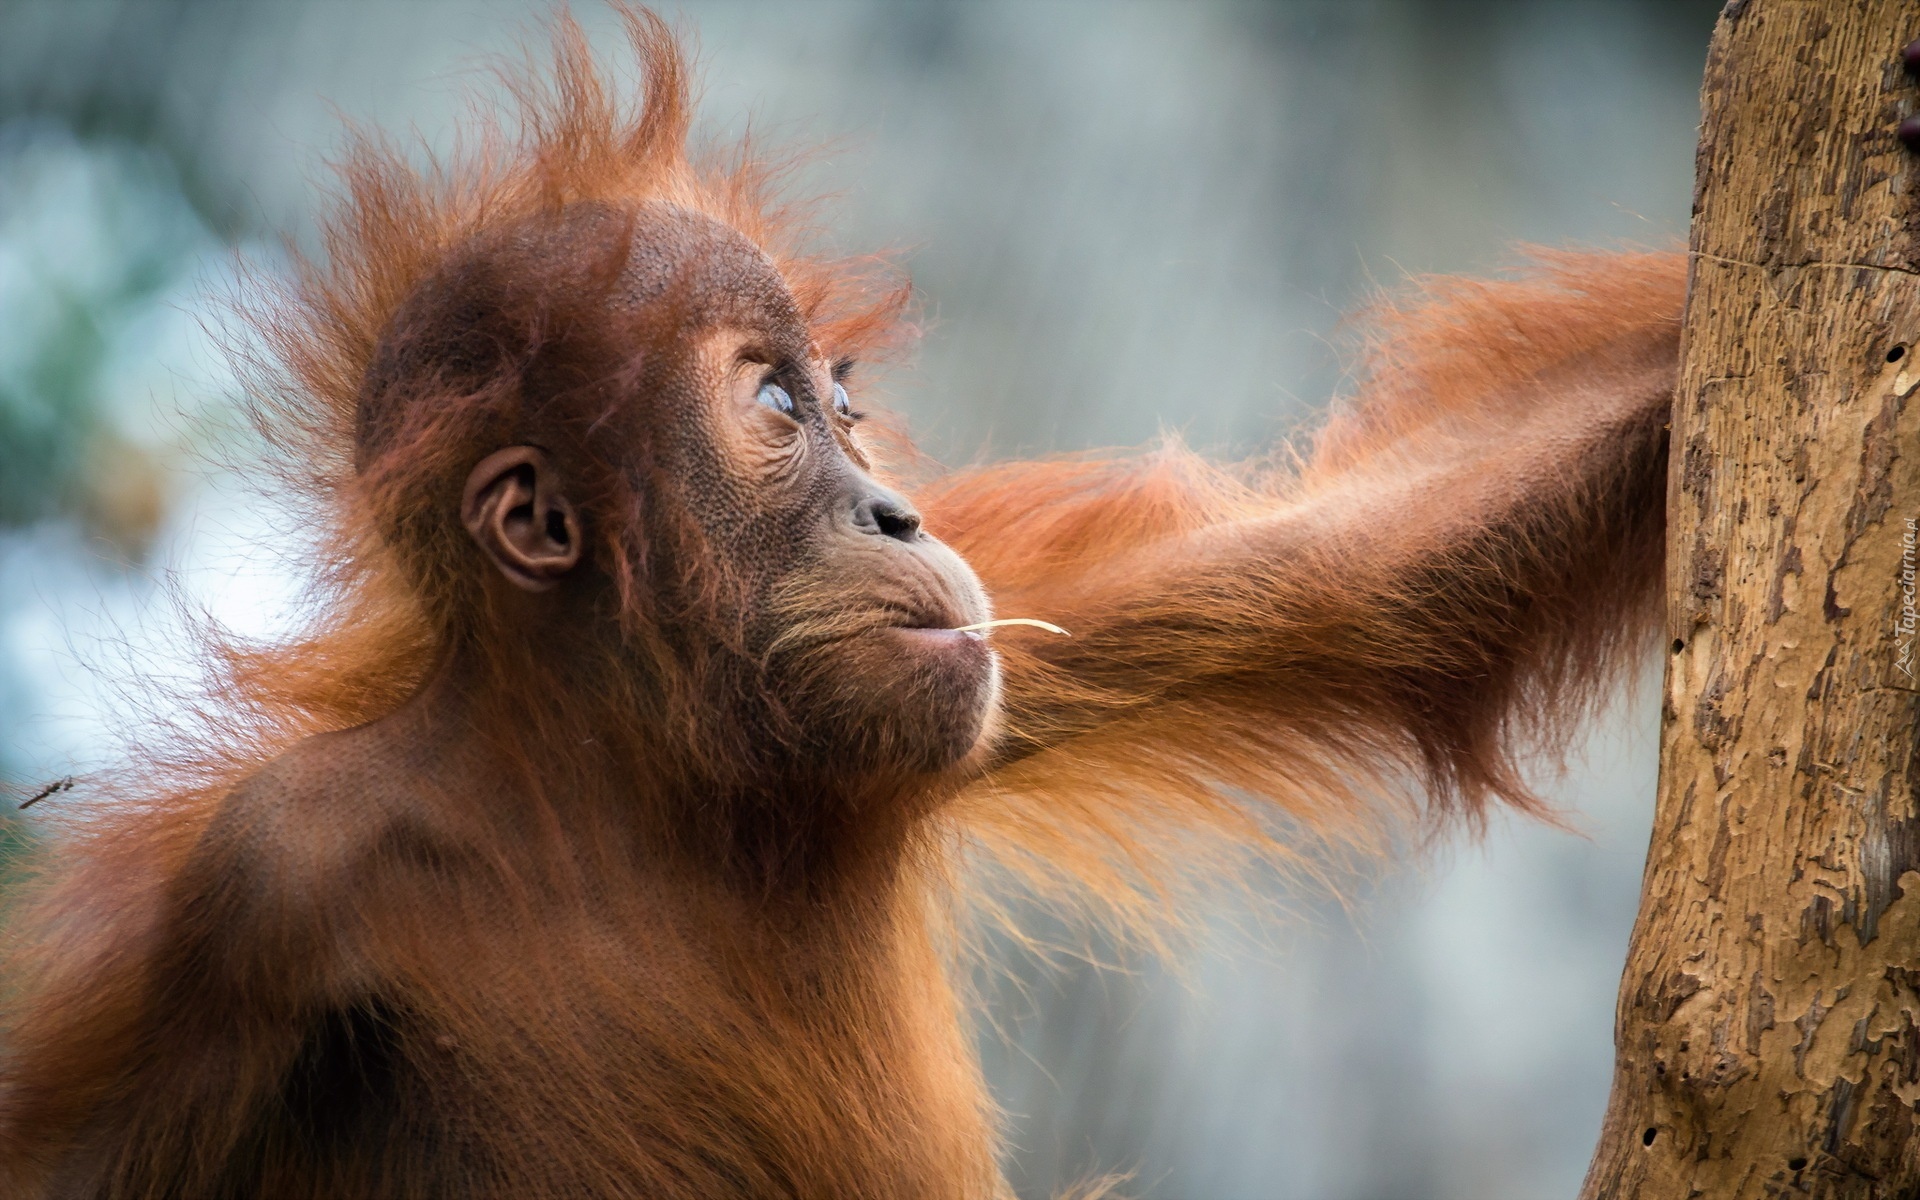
(817, 615)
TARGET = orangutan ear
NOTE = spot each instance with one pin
(514, 508)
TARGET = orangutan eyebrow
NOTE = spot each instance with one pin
(757, 356)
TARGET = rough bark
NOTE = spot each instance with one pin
(1768, 1033)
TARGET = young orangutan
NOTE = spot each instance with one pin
(597, 838)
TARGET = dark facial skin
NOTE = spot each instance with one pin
(773, 551)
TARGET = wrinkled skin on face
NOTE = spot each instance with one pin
(846, 601)
(801, 596)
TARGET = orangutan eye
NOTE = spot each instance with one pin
(842, 404)
(775, 397)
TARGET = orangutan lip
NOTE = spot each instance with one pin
(932, 629)
(941, 631)
(938, 629)
(923, 620)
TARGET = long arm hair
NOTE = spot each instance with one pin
(1445, 580)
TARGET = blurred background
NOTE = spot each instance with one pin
(1123, 218)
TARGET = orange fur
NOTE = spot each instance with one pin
(1265, 659)
(1469, 550)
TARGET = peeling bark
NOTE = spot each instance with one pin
(1768, 1034)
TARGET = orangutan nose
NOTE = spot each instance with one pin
(887, 514)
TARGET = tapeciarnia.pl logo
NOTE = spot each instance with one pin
(1905, 622)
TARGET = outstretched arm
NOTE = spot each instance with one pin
(1466, 552)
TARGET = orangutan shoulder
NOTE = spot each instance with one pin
(311, 821)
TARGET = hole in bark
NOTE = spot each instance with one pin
(1646, 1139)
(1678, 645)
(1797, 1163)
(1896, 354)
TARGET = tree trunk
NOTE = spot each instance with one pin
(1769, 1019)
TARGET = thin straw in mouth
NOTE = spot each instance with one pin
(981, 626)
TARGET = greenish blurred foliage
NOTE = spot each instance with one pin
(99, 250)
(93, 236)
